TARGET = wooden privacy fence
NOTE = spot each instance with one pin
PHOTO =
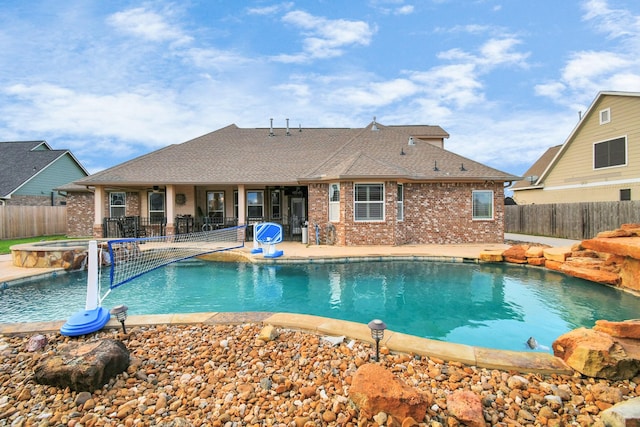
(577, 221)
(18, 222)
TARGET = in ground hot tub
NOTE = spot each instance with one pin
(67, 254)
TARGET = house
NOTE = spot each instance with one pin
(598, 162)
(377, 185)
(31, 171)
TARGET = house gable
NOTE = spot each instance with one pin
(573, 176)
(31, 170)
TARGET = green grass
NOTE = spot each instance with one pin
(6, 244)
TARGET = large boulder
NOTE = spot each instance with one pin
(623, 414)
(83, 366)
(626, 329)
(375, 389)
(597, 354)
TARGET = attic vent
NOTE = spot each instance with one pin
(411, 141)
(374, 126)
(271, 128)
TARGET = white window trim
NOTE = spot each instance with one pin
(626, 153)
(253, 205)
(334, 206)
(164, 203)
(400, 204)
(383, 201)
(123, 205)
(473, 217)
(605, 116)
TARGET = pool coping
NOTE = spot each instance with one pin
(524, 362)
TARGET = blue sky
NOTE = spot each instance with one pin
(112, 80)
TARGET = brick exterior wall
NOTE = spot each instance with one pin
(80, 214)
(434, 213)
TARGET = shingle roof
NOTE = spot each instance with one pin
(22, 160)
(533, 174)
(233, 155)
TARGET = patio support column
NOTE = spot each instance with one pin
(98, 211)
(241, 206)
(171, 200)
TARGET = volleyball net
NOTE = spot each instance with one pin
(132, 257)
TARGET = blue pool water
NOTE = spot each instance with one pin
(490, 305)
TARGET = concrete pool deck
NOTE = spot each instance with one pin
(524, 361)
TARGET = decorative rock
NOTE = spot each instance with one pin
(626, 329)
(491, 256)
(557, 254)
(268, 333)
(623, 414)
(375, 389)
(598, 276)
(597, 354)
(466, 407)
(517, 382)
(535, 252)
(36, 342)
(83, 366)
(516, 254)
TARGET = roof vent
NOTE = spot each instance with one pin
(411, 141)
(435, 166)
(300, 128)
(288, 133)
(462, 168)
(271, 128)
(374, 126)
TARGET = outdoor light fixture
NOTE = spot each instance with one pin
(120, 311)
(377, 327)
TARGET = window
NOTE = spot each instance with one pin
(482, 204)
(117, 205)
(610, 153)
(605, 116)
(625, 194)
(215, 205)
(400, 203)
(334, 202)
(255, 204)
(369, 202)
(275, 204)
(156, 206)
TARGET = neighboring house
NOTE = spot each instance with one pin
(31, 171)
(599, 161)
(378, 185)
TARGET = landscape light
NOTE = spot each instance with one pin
(377, 327)
(120, 312)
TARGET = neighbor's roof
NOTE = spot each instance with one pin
(233, 155)
(532, 175)
(21, 161)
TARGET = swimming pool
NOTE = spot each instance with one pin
(490, 305)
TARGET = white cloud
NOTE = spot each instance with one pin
(404, 10)
(588, 72)
(325, 38)
(147, 25)
(270, 10)
(149, 118)
(613, 22)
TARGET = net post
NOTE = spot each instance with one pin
(92, 276)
